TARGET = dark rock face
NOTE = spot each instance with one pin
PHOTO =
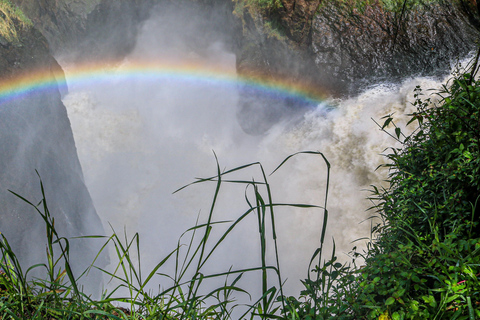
(35, 134)
(340, 48)
(111, 29)
(337, 46)
(31, 52)
(334, 45)
(267, 52)
(113, 25)
(87, 28)
(377, 44)
(62, 22)
(297, 18)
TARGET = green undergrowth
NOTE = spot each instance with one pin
(188, 293)
(11, 18)
(423, 261)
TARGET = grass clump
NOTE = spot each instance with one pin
(11, 18)
(188, 293)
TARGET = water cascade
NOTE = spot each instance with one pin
(151, 123)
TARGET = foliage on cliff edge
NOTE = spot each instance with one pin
(425, 260)
(11, 18)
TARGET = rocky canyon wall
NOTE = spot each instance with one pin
(345, 45)
(35, 136)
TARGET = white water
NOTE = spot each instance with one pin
(138, 143)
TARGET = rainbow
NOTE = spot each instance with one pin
(92, 74)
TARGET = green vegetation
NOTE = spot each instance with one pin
(187, 294)
(425, 260)
(256, 5)
(11, 18)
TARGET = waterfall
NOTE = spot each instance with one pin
(139, 140)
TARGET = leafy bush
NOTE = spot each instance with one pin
(434, 177)
(436, 280)
(425, 261)
(331, 295)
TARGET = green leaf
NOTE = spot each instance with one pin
(398, 131)
(396, 316)
(387, 122)
(390, 301)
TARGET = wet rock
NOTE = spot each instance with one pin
(111, 29)
(35, 135)
(267, 53)
(62, 22)
(87, 27)
(4, 42)
(372, 44)
(344, 46)
(296, 16)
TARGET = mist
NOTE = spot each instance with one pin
(138, 141)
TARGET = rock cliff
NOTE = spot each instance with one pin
(376, 42)
(35, 134)
(341, 47)
(79, 27)
(335, 45)
(62, 22)
(344, 45)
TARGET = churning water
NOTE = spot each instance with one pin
(138, 141)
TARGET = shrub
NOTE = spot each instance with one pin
(425, 261)
(434, 177)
